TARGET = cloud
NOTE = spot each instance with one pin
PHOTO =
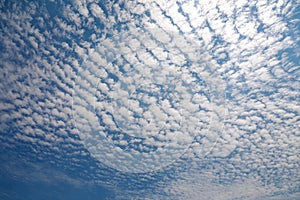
(218, 77)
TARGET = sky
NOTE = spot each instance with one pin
(149, 99)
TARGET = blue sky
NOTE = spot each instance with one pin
(149, 100)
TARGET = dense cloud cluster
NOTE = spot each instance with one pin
(138, 107)
(200, 94)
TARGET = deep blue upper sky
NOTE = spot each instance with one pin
(149, 99)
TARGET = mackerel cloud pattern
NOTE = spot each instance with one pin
(188, 98)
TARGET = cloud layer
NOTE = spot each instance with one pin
(211, 88)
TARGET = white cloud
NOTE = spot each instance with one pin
(259, 133)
